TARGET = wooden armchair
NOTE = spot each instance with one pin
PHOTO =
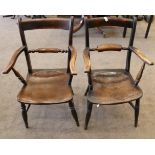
(113, 86)
(45, 86)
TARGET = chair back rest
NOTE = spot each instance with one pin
(112, 21)
(51, 23)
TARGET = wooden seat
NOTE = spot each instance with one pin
(113, 86)
(46, 86)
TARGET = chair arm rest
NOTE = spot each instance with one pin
(86, 60)
(13, 60)
(73, 60)
(141, 55)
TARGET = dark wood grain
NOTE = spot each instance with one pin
(48, 86)
(108, 47)
(48, 23)
(111, 21)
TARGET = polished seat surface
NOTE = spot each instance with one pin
(46, 87)
(113, 86)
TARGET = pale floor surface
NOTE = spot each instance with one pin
(55, 121)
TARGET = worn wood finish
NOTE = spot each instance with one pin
(112, 86)
(109, 21)
(107, 47)
(73, 60)
(86, 59)
(49, 87)
(53, 23)
(45, 86)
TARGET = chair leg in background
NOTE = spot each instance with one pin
(148, 26)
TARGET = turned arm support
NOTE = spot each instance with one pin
(72, 63)
(139, 75)
(145, 60)
(13, 60)
(19, 76)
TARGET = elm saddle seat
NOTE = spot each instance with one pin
(113, 86)
(46, 86)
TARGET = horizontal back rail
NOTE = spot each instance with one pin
(109, 21)
(52, 23)
(48, 50)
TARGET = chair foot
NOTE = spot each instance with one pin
(137, 106)
(24, 114)
(89, 109)
(74, 113)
